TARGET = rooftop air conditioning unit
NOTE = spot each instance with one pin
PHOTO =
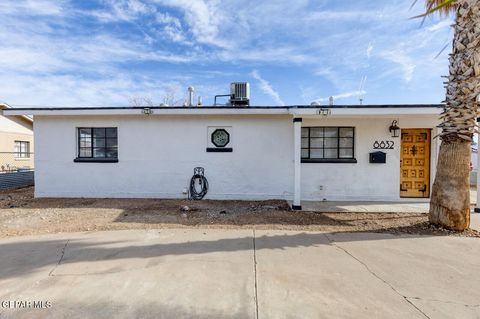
(239, 94)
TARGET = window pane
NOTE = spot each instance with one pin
(331, 153)
(85, 152)
(346, 153)
(316, 153)
(331, 132)
(304, 153)
(99, 142)
(316, 142)
(111, 153)
(99, 152)
(85, 133)
(85, 143)
(346, 132)
(316, 132)
(111, 142)
(305, 142)
(112, 132)
(346, 142)
(331, 142)
(99, 132)
(304, 131)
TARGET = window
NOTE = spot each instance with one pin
(219, 139)
(328, 144)
(97, 144)
(22, 149)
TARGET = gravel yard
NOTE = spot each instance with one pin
(21, 214)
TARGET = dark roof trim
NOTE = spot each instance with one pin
(371, 106)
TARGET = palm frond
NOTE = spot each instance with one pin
(444, 7)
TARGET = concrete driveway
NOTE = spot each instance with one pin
(239, 274)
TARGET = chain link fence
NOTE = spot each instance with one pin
(16, 169)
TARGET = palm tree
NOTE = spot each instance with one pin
(450, 203)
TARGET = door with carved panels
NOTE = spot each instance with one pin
(415, 163)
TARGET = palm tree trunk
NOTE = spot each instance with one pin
(450, 204)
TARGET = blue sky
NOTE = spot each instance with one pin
(110, 52)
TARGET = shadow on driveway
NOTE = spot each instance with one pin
(26, 256)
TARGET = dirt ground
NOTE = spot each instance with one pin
(21, 214)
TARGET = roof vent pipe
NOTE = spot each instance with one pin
(199, 101)
(330, 100)
(190, 95)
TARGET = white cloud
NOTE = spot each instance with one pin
(406, 63)
(267, 88)
(338, 41)
(440, 25)
(343, 95)
(71, 90)
(122, 10)
(369, 50)
(31, 7)
(343, 15)
(203, 17)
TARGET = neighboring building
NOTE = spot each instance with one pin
(16, 141)
(339, 152)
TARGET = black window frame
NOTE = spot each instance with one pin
(339, 159)
(92, 158)
(20, 154)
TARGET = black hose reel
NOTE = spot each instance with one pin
(198, 178)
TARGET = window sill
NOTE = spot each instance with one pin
(22, 158)
(95, 160)
(220, 149)
(330, 160)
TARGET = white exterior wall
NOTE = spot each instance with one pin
(363, 180)
(157, 155)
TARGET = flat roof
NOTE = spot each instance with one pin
(335, 106)
(295, 110)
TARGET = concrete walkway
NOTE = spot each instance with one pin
(365, 207)
(410, 206)
(240, 274)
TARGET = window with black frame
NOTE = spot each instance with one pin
(97, 144)
(328, 145)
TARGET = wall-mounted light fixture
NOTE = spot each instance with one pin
(394, 129)
(147, 111)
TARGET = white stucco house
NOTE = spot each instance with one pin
(298, 153)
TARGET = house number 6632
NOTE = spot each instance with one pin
(383, 145)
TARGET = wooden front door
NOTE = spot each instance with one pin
(415, 163)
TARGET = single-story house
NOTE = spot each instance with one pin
(16, 141)
(337, 152)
